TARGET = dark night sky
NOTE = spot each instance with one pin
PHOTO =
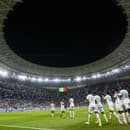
(65, 34)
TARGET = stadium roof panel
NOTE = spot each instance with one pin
(10, 59)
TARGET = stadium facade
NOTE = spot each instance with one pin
(116, 64)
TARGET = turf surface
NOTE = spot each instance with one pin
(43, 121)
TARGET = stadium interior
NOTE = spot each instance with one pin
(28, 83)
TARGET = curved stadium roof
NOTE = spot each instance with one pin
(11, 60)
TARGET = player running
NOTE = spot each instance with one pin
(126, 103)
(92, 108)
(110, 103)
(119, 107)
(62, 108)
(100, 107)
(71, 108)
(52, 108)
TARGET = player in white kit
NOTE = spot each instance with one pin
(62, 108)
(52, 108)
(92, 109)
(126, 102)
(110, 104)
(119, 107)
(71, 108)
(100, 107)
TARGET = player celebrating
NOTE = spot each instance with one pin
(126, 102)
(91, 109)
(111, 106)
(52, 108)
(119, 107)
(100, 107)
(71, 108)
(62, 108)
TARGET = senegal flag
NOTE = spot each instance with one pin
(62, 89)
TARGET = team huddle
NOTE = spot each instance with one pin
(121, 103)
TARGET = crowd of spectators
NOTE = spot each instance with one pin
(15, 94)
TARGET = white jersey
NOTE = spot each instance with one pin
(62, 106)
(118, 102)
(92, 106)
(91, 99)
(98, 100)
(118, 97)
(99, 105)
(125, 98)
(109, 102)
(124, 93)
(71, 101)
(52, 105)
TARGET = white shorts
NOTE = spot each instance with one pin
(100, 108)
(119, 106)
(111, 106)
(62, 109)
(126, 103)
(92, 108)
(52, 109)
(71, 108)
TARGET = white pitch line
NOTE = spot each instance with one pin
(22, 127)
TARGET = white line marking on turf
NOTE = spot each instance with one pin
(22, 127)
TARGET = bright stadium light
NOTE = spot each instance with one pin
(46, 79)
(22, 77)
(4, 73)
(126, 66)
(94, 76)
(115, 70)
(78, 79)
(39, 79)
(33, 79)
(107, 73)
(98, 75)
(56, 80)
(84, 78)
(68, 80)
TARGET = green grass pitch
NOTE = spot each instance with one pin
(41, 120)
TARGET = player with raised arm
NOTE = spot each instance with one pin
(100, 107)
(71, 108)
(92, 109)
(126, 102)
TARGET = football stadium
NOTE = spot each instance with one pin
(64, 66)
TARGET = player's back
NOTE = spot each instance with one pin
(62, 104)
(108, 99)
(124, 93)
(97, 99)
(71, 100)
(91, 99)
(118, 97)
